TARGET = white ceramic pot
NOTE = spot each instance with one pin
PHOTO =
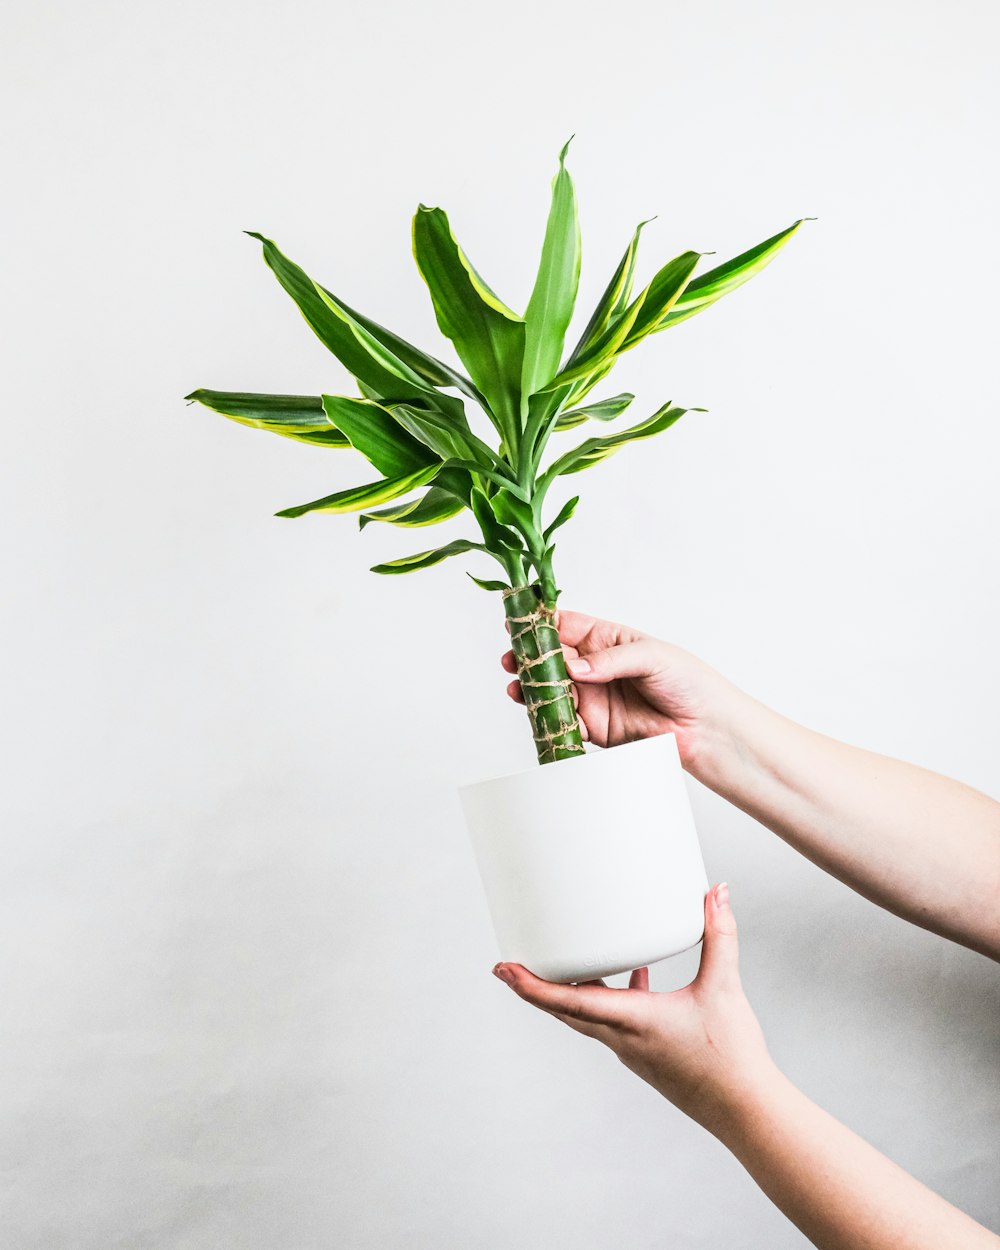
(591, 865)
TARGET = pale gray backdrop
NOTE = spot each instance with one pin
(245, 957)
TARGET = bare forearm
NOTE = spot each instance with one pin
(834, 1186)
(919, 844)
(703, 1049)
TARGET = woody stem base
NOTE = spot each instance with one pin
(541, 669)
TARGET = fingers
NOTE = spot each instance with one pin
(586, 1004)
(720, 952)
(631, 659)
(590, 633)
(639, 980)
(601, 1032)
(575, 626)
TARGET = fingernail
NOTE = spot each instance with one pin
(578, 667)
(722, 895)
(503, 973)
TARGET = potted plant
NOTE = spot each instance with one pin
(557, 847)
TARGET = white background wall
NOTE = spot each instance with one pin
(244, 953)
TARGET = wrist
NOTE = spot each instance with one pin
(715, 747)
(740, 1113)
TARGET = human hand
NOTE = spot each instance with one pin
(629, 685)
(701, 1047)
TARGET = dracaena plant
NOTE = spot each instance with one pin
(410, 420)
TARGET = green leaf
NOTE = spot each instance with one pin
(424, 559)
(542, 409)
(444, 435)
(510, 510)
(488, 585)
(453, 475)
(354, 346)
(603, 352)
(550, 308)
(595, 449)
(501, 476)
(497, 537)
(641, 317)
(711, 286)
(433, 371)
(563, 515)
(603, 410)
(434, 506)
(488, 336)
(359, 497)
(294, 416)
(583, 386)
(613, 302)
(660, 296)
(374, 432)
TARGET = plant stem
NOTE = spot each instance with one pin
(542, 672)
(514, 567)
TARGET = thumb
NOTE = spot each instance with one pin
(628, 659)
(720, 952)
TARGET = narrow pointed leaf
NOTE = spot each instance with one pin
(497, 537)
(562, 516)
(602, 352)
(660, 296)
(603, 410)
(583, 386)
(570, 420)
(374, 432)
(358, 498)
(550, 308)
(453, 475)
(358, 350)
(596, 449)
(443, 435)
(424, 559)
(488, 336)
(642, 317)
(501, 476)
(711, 286)
(427, 367)
(434, 506)
(542, 409)
(489, 585)
(300, 417)
(510, 510)
(614, 300)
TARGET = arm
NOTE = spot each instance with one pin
(702, 1048)
(921, 845)
(834, 1186)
